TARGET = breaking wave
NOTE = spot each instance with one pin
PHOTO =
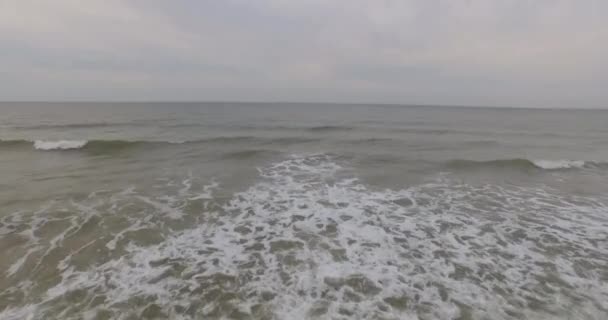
(59, 144)
(525, 164)
(308, 240)
(558, 164)
(109, 145)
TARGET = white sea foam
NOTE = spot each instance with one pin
(24, 313)
(59, 144)
(19, 263)
(558, 164)
(308, 240)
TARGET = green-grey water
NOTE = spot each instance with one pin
(302, 211)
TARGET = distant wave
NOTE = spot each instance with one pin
(93, 125)
(525, 164)
(68, 126)
(110, 145)
(370, 141)
(85, 125)
(247, 154)
(57, 145)
(329, 128)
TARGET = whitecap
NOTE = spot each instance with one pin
(558, 164)
(59, 144)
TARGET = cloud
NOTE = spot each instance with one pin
(511, 52)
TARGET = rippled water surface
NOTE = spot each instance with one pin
(299, 211)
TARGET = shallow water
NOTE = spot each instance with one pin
(292, 211)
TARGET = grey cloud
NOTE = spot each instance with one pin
(387, 73)
(515, 52)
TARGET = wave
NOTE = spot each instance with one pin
(69, 126)
(559, 164)
(71, 145)
(308, 238)
(247, 154)
(329, 128)
(59, 144)
(368, 141)
(109, 145)
(525, 164)
(87, 125)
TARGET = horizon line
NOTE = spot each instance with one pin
(379, 104)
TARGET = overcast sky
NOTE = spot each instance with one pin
(536, 53)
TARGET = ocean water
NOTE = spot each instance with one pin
(302, 211)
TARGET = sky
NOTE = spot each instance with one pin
(534, 53)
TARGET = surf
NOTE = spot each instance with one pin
(524, 164)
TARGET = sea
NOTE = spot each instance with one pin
(302, 211)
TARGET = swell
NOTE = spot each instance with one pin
(248, 154)
(329, 128)
(70, 126)
(87, 125)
